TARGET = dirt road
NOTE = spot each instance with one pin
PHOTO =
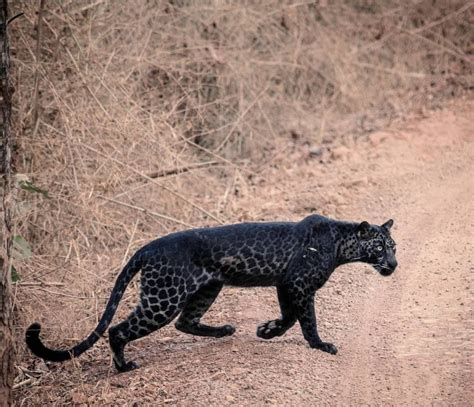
(406, 339)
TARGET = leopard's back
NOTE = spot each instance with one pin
(247, 254)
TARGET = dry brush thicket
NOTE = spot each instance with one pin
(143, 117)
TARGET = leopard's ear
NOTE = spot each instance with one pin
(363, 229)
(388, 225)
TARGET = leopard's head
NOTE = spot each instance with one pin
(377, 247)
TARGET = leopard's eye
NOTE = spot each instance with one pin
(379, 248)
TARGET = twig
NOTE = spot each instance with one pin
(125, 255)
(86, 85)
(244, 169)
(174, 171)
(218, 156)
(416, 32)
(441, 46)
(24, 383)
(80, 297)
(239, 119)
(418, 75)
(41, 283)
(11, 19)
(146, 211)
(224, 200)
(37, 68)
(141, 174)
(181, 170)
(442, 20)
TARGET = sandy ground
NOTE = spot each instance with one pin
(406, 339)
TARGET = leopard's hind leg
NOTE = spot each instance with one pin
(165, 292)
(145, 319)
(163, 295)
(195, 307)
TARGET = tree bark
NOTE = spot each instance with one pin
(6, 313)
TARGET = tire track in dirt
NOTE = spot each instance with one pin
(416, 332)
(434, 342)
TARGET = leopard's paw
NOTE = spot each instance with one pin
(325, 347)
(269, 329)
(129, 366)
(227, 330)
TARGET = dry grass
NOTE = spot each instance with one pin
(141, 118)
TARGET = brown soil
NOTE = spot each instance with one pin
(403, 340)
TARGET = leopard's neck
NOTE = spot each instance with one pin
(346, 247)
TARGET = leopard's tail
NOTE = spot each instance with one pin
(32, 333)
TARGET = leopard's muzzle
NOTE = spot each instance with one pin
(387, 268)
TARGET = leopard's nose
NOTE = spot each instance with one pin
(392, 263)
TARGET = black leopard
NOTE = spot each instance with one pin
(183, 273)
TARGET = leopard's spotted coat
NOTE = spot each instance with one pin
(185, 271)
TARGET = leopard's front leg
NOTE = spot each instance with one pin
(308, 270)
(277, 327)
(304, 306)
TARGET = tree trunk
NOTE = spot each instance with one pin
(6, 314)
